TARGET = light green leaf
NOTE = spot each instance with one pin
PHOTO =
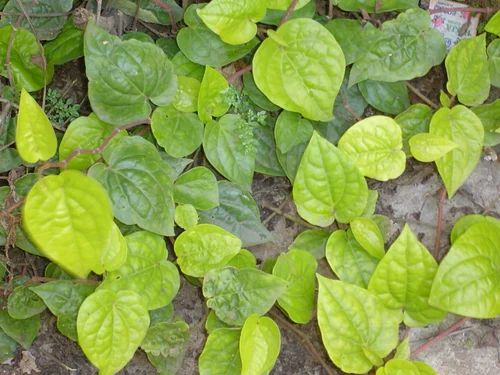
(139, 184)
(349, 34)
(35, 137)
(186, 98)
(388, 97)
(403, 351)
(489, 114)
(356, 329)
(284, 4)
(306, 65)
(235, 294)
(298, 268)
(348, 260)
(403, 279)
(444, 99)
(180, 134)
(221, 354)
(375, 146)
(111, 326)
(260, 344)
(426, 147)
(205, 247)
(467, 281)
(124, 76)
(274, 16)
(212, 323)
(313, 241)
(197, 187)
(212, 95)
(493, 25)
(413, 121)
(467, 70)
(291, 130)
(368, 235)
(494, 62)
(23, 331)
(244, 259)
(67, 46)
(375, 6)
(146, 271)
(339, 190)
(186, 216)
(461, 126)
(402, 366)
(185, 67)
(465, 222)
(23, 303)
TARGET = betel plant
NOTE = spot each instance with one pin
(104, 198)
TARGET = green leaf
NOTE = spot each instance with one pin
(274, 16)
(356, 329)
(494, 62)
(185, 67)
(161, 315)
(291, 130)
(284, 4)
(461, 126)
(237, 213)
(186, 216)
(233, 21)
(465, 222)
(402, 366)
(255, 95)
(403, 280)
(388, 97)
(25, 59)
(180, 134)
(212, 95)
(298, 268)
(111, 326)
(489, 114)
(197, 187)
(413, 121)
(205, 247)
(235, 294)
(186, 98)
(375, 6)
(221, 354)
(71, 211)
(67, 46)
(137, 35)
(138, 183)
(124, 76)
(7, 347)
(53, 271)
(35, 137)
(146, 271)
(306, 65)
(290, 160)
(311, 240)
(149, 11)
(405, 48)
(244, 259)
(168, 45)
(467, 70)
(266, 160)
(493, 25)
(213, 323)
(349, 34)
(403, 351)
(368, 235)
(9, 159)
(23, 331)
(426, 147)
(23, 303)
(228, 146)
(467, 281)
(444, 99)
(260, 344)
(375, 146)
(348, 260)
(339, 190)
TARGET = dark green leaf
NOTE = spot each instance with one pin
(24, 331)
(197, 187)
(23, 303)
(414, 120)
(388, 97)
(67, 46)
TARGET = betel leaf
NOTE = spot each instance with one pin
(205, 247)
(212, 323)
(426, 147)
(465, 222)
(228, 146)
(290, 160)
(274, 16)
(235, 294)
(405, 48)
(138, 183)
(328, 185)
(180, 134)
(461, 126)
(467, 70)
(266, 160)
(403, 279)
(168, 45)
(244, 259)
(185, 67)
(186, 98)
(150, 11)
(35, 137)
(23, 331)
(260, 344)
(221, 353)
(125, 75)
(284, 4)
(489, 114)
(291, 130)
(255, 95)
(197, 187)
(233, 21)
(137, 35)
(403, 350)
(493, 25)
(186, 216)
(402, 366)
(146, 271)
(368, 235)
(375, 146)
(67, 46)
(467, 281)
(71, 211)
(375, 6)
(23, 303)
(8, 347)
(413, 121)
(306, 65)
(356, 329)
(313, 241)
(349, 34)
(298, 268)
(494, 62)
(111, 326)
(348, 260)
(239, 214)
(388, 97)
(212, 95)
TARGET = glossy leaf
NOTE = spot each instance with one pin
(255, 95)
(284, 4)
(356, 329)
(388, 97)
(186, 98)
(212, 95)
(489, 114)
(465, 222)
(375, 146)
(313, 241)
(23, 331)
(220, 355)
(373, 6)
(186, 216)
(426, 147)
(494, 62)
(306, 65)
(402, 366)
(368, 235)
(67, 46)
(413, 121)
(235, 294)
(403, 351)
(266, 160)
(493, 25)
(291, 130)
(197, 187)
(185, 67)
(349, 34)
(23, 303)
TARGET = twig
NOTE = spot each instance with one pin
(9, 102)
(289, 11)
(421, 96)
(463, 10)
(273, 213)
(167, 8)
(330, 9)
(36, 15)
(233, 77)
(6, 146)
(153, 30)
(439, 222)
(439, 336)
(98, 11)
(289, 217)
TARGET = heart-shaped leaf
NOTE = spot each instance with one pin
(221, 353)
(427, 148)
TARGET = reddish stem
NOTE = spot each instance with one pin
(233, 77)
(289, 11)
(441, 335)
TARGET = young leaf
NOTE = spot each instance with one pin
(375, 145)
(284, 4)
(374, 6)
(313, 241)
(244, 259)
(212, 95)
(467, 70)
(260, 344)
(198, 187)
(35, 137)
(368, 235)
(111, 326)
(493, 25)
(339, 190)
(298, 268)
(403, 279)
(186, 216)
(388, 97)
(403, 351)
(467, 279)
(462, 127)
(205, 247)
(23, 303)
(235, 294)
(427, 148)
(291, 130)
(465, 222)
(221, 354)
(23, 331)
(300, 68)
(402, 366)
(356, 329)
(186, 98)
